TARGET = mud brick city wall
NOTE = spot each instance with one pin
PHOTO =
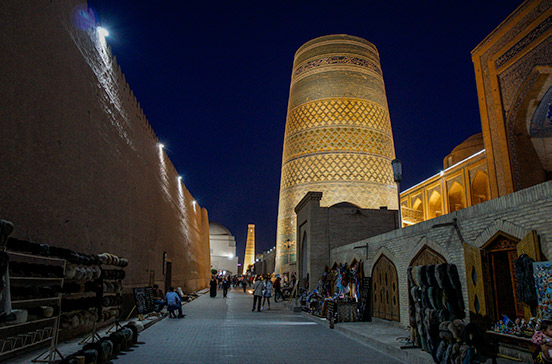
(80, 166)
(515, 214)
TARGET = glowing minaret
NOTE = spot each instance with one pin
(249, 258)
(338, 138)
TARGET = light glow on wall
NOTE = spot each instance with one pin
(102, 32)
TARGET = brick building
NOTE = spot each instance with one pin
(321, 229)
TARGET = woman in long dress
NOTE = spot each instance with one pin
(213, 286)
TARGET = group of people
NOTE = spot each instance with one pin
(172, 300)
(220, 282)
(263, 290)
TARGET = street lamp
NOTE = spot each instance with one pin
(397, 176)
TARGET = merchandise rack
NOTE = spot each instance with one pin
(29, 334)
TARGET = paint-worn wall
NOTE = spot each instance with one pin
(80, 166)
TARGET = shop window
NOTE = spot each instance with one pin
(480, 188)
(435, 205)
(456, 197)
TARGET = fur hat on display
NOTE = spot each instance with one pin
(417, 274)
(430, 275)
(409, 276)
(425, 297)
(423, 275)
(441, 350)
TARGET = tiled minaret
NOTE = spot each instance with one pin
(249, 258)
(338, 138)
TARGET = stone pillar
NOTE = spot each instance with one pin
(338, 137)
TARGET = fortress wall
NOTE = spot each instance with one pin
(80, 166)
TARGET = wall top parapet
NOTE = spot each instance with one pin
(310, 196)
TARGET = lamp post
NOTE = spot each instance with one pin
(397, 176)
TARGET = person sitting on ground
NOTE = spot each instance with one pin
(158, 298)
(174, 302)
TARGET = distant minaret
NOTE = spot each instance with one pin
(249, 258)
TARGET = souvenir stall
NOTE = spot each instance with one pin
(338, 293)
(436, 314)
(47, 293)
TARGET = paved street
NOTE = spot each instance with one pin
(226, 331)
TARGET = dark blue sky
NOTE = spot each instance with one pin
(213, 80)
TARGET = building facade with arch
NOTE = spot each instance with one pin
(492, 202)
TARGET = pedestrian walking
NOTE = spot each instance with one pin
(213, 286)
(244, 284)
(267, 293)
(277, 289)
(225, 286)
(257, 293)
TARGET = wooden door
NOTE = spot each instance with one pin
(385, 290)
(168, 276)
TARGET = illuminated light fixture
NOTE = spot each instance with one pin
(180, 178)
(161, 145)
(194, 202)
(102, 32)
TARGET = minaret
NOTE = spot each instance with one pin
(338, 138)
(249, 258)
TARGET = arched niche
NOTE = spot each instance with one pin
(480, 188)
(529, 127)
(456, 197)
(435, 207)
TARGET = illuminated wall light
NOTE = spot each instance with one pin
(102, 32)
(161, 146)
(180, 178)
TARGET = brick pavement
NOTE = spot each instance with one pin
(226, 331)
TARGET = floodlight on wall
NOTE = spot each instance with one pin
(161, 146)
(180, 178)
(102, 32)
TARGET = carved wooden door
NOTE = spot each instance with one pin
(385, 290)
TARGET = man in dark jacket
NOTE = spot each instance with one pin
(258, 293)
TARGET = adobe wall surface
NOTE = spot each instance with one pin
(515, 214)
(79, 163)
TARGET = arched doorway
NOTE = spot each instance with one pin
(385, 288)
(427, 256)
(304, 256)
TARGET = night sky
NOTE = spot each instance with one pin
(213, 80)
